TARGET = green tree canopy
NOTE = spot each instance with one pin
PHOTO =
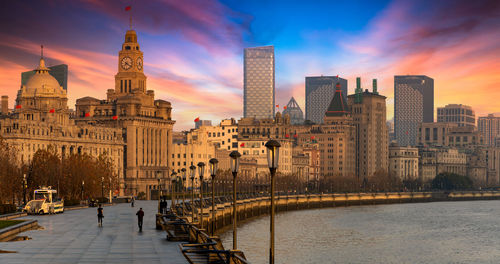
(451, 181)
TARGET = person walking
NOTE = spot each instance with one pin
(132, 202)
(140, 216)
(100, 215)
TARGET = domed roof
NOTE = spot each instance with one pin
(43, 83)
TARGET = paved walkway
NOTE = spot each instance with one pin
(74, 237)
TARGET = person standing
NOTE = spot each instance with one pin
(132, 202)
(100, 215)
(140, 216)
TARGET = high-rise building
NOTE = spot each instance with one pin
(461, 114)
(413, 104)
(369, 117)
(258, 82)
(60, 72)
(294, 111)
(489, 126)
(319, 94)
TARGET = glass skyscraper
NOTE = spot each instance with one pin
(319, 94)
(413, 104)
(258, 82)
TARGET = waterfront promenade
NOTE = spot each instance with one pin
(74, 237)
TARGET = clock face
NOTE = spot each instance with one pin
(126, 63)
(139, 63)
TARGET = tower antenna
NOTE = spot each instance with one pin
(41, 51)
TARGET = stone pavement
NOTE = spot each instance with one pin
(74, 237)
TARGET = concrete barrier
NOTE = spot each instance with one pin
(11, 231)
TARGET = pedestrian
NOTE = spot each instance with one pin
(140, 216)
(132, 202)
(100, 215)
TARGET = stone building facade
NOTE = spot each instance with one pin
(41, 118)
(403, 162)
(368, 111)
(146, 122)
(448, 134)
(462, 115)
(489, 126)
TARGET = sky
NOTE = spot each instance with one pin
(193, 49)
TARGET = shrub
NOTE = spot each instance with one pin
(70, 202)
(7, 208)
(141, 196)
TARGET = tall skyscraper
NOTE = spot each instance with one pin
(463, 115)
(319, 94)
(369, 116)
(60, 72)
(258, 82)
(489, 126)
(413, 104)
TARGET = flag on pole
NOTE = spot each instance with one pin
(128, 8)
(87, 114)
(312, 137)
(277, 106)
(52, 110)
(287, 136)
(242, 144)
(295, 136)
(115, 117)
(18, 106)
(284, 107)
(197, 119)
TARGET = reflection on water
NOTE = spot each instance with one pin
(444, 232)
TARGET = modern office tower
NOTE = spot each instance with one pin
(489, 126)
(60, 72)
(413, 104)
(368, 111)
(258, 82)
(461, 114)
(319, 94)
(294, 111)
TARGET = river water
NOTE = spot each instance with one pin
(441, 232)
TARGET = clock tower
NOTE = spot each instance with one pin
(130, 74)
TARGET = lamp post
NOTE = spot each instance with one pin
(183, 170)
(213, 170)
(159, 191)
(25, 186)
(235, 163)
(201, 172)
(102, 187)
(272, 159)
(172, 188)
(83, 186)
(192, 170)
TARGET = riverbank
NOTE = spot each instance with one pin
(255, 206)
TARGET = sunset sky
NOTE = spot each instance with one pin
(193, 50)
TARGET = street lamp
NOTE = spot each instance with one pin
(159, 191)
(172, 187)
(213, 170)
(102, 187)
(201, 172)
(25, 186)
(272, 159)
(235, 163)
(83, 186)
(183, 170)
(192, 170)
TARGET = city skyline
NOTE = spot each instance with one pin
(196, 48)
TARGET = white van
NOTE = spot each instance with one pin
(45, 202)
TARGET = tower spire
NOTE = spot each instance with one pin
(130, 20)
(41, 51)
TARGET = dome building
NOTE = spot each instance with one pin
(41, 118)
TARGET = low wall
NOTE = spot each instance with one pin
(11, 231)
(253, 207)
(12, 216)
